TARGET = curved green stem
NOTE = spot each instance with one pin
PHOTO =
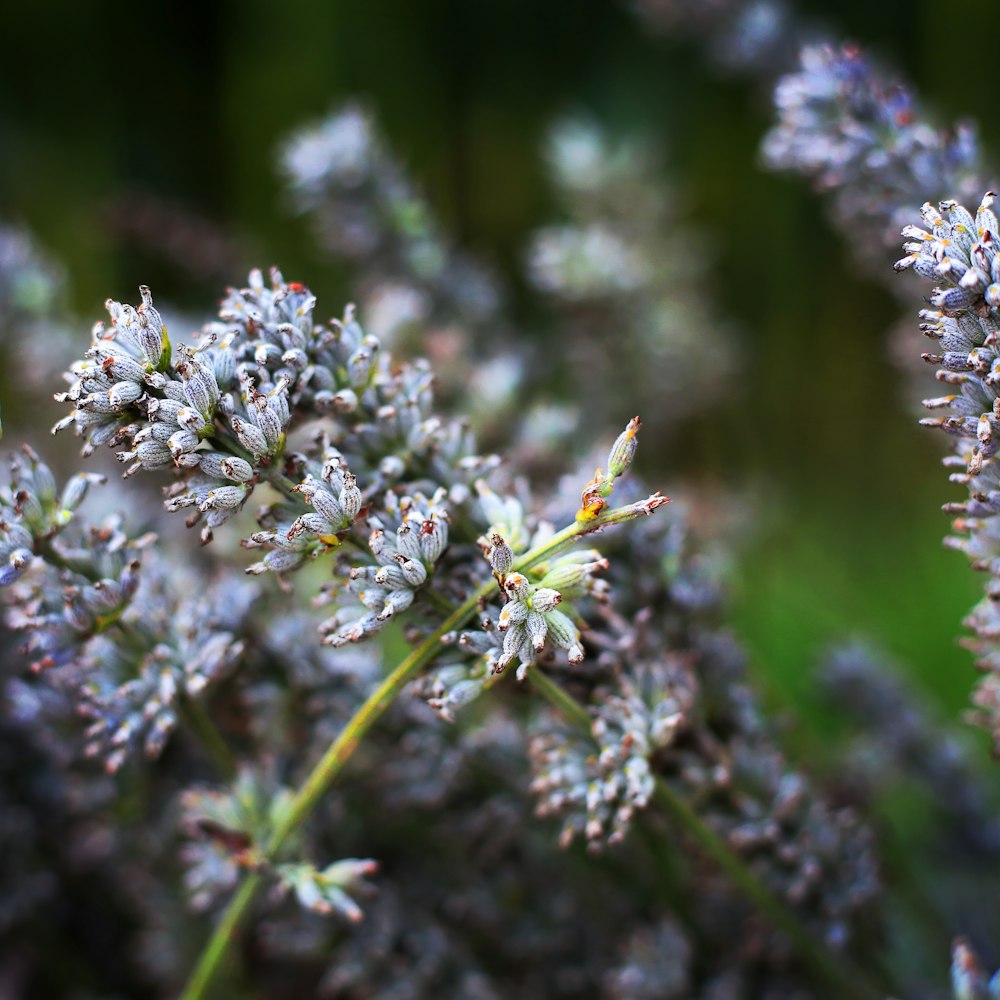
(225, 934)
(839, 977)
(326, 770)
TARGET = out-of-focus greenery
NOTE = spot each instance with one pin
(185, 103)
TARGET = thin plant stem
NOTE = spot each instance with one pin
(216, 747)
(225, 935)
(326, 770)
(839, 978)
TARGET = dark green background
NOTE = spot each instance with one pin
(188, 101)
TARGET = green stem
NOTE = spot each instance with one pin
(197, 718)
(225, 934)
(340, 750)
(45, 548)
(836, 973)
(560, 699)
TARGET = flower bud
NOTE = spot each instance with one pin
(623, 450)
(501, 556)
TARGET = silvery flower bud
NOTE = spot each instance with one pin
(324, 502)
(517, 587)
(501, 556)
(314, 524)
(16, 562)
(252, 438)
(154, 332)
(98, 402)
(562, 631)
(277, 561)
(166, 410)
(181, 442)
(414, 571)
(120, 367)
(211, 464)
(396, 601)
(76, 489)
(237, 469)
(515, 638)
(121, 394)
(161, 432)
(190, 419)
(350, 497)
(408, 540)
(359, 365)
(545, 599)
(224, 498)
(536, 628)
(344, 401)
(571, 574)
(224, 367)
(153, 454)
(433, 539)
(512, 613)
(391, 577)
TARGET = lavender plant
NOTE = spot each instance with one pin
(398, 504)
(219, 414)
(957, 250)
(567, 714)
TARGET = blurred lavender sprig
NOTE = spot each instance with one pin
(861, 138)
(751, 37)
(366, 210)
(899, 736)
(625, 261)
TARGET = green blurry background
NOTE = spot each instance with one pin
(186, 102)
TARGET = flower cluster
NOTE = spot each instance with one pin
(332, 491)
(959, 251)
(857, 134)
(624, 260)
(404, 556)
(228, 833)
(633, 722)
(688, 720)
(366, 209)
(104, 622)
(219, 416)
(530, 618)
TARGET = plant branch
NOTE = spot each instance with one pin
(325, 772)
(838, 976)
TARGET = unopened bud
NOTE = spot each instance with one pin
(623, 450)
